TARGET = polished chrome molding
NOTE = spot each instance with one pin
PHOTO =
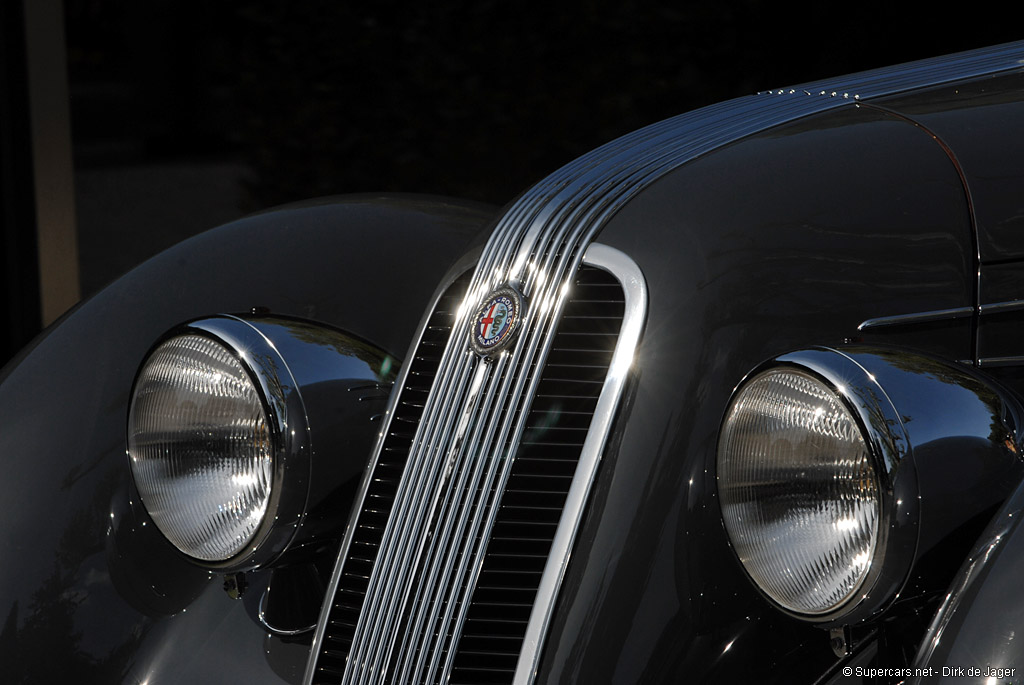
(635, 290)
(941, 315)
(906, 401)
(1000, 307)
(917, 317)
(420, 587)
(360, 497)
(261, 613)
(287, 423)
(990, 362)
(885, 435)
(591, 188)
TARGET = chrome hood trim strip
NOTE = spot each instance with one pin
(635, 290)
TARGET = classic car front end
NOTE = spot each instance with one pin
(733, 397)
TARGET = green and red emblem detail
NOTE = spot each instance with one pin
(496, 321)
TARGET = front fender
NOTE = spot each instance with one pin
(364, 264)
(784, 240)
(976, 626)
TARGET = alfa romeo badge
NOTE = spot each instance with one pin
(496, 321)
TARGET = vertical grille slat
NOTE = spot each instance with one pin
(537, 488)
(380, 494)
(458, 429)
(457, 625)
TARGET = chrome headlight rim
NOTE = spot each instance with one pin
(890, 451)
(285, 416)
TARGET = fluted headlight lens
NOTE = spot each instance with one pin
(799, 492)
(200, 447)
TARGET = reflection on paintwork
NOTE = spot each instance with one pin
(974, 623)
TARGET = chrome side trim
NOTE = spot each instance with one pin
(917, 317)
(989, 362)
(635, 289)
(1000, 307)
(261, 613)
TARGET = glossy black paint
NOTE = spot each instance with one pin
(782, 241)
(982, 123)
(65, 490)
(978, 622)
(1001, 319)
(343, 383)
(779, 242)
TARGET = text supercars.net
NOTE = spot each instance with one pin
(930, 672)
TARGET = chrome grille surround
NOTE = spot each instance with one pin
(547, 462)
(474, 414)
(445, 505)
(428, 594)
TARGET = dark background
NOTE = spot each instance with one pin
(187, 114)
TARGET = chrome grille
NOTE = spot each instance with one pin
(545, 463)
(401, 595)
(382, 485)
(444, 511)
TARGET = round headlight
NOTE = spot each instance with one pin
(800, 494)
(201, 447)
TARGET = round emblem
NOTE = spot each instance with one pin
(496, 321)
